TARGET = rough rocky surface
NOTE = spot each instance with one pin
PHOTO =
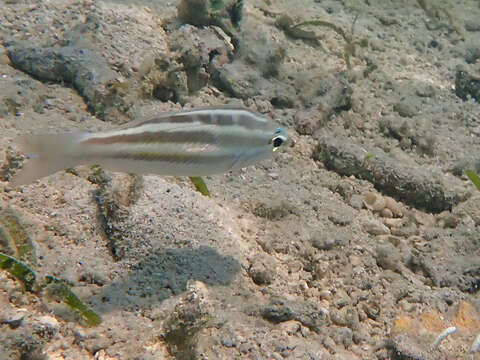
(359, 241)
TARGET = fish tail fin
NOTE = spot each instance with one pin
(46, 154)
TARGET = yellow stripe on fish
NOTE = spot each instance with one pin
(194, 142)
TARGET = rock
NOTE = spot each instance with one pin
(466, 84)
(274, 211)
(49, 321)
(388, 257)
(472, 26)
(74, 64)
(224, 13)
(238, 79)
(14, 321)
(411, 134)
(356, 202)
(308, 121)
(323, 241)
(92, 341)
(331, 94)
(4, 59)
(113, 199)
(191, 315)
(472, 53)
(411, 184)
(46, 327)
(375, 228)
(229, 341)
(279, 310)
(320, 269)
(372, 309)
(212, 52)
(374, 202)
(262, 270)
(469, 209)
(342, 336)
(405, 109)
(341, 219)
(260, 48)
(407, 348)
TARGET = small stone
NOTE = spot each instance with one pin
(375, 228)
(405, 109)
(245, 348)
(342, 336)
(46, 327)
(466, 84)
(291, 327)
(472, 26)
(96, 343)
(356, 202)
(394, 223)
(374, 201)
(386, 213)
(449, 221)
(341, 220)
(372, 309)
(323, 243)
(330, 345)
(229, 341)
(14, 322)
(49, 322)
(320, 269)
(261, 271)
(388, 257)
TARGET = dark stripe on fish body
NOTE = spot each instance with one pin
(149, 137)
(222, 116)
(182, 158)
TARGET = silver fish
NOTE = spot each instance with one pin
(195, 142)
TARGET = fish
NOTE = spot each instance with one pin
(195, 142)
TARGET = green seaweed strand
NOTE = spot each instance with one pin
(474, 178)
(12, 224)
(18, 269)
(200, 185)
(68, 297)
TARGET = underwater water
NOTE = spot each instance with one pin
(357, 239)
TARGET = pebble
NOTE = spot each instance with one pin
(320, 269)
(375, 228)
(260, 273)
(329, 344)
(342, 336)
(405, 109)
(340, 220)
(14, 322)
(356, 202)
(388, 257)
(49, 322)
(322, 242)
(229, 341)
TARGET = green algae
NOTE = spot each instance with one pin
(200, 185)
(15, 230)
(18, 270)
(15, 244)
(7, 244)
(474, 178)
(60, 291)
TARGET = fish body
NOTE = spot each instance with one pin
(194, 142)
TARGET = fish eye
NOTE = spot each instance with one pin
(278, 141)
